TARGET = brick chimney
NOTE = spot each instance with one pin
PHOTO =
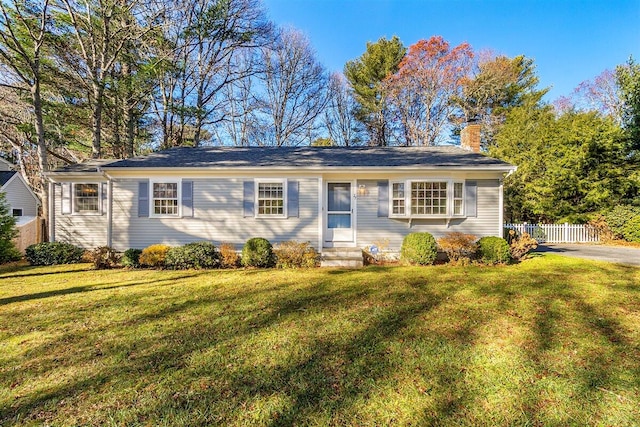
(470, 137)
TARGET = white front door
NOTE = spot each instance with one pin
(339, 220)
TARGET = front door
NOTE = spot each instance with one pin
(339, 221)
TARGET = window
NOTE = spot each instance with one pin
(428, 198)
(458, 198)
(397, 198)
(271, 198)
(165, 198)
(16, 212)
(443, 198)
(86, 198)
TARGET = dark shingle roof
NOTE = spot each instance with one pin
(5, 176)
(310, 158)
(86, 166)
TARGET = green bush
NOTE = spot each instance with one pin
(295, 255)
(8, 230)
(52, 253)
(196, 255)
(258, 252)
(154, 255)
(419, 248)
(103, 257)
(494, 250)
(624, 222)
(131, 258)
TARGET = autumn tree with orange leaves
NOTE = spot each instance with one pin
(421, 94)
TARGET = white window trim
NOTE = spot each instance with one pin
(407, 199)
(177, 181)
(407, 208)
(73, 199)
(463, 212)
(256, 192)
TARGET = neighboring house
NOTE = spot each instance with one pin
(23, 203)
(331, 197)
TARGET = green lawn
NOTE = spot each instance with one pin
(551, 341)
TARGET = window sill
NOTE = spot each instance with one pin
(410, 217)
(86, 214)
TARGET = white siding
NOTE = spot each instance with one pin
(86, 231)
(19, 197)
(389, 232)
(218, 217)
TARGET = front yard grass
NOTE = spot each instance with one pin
(551, 341)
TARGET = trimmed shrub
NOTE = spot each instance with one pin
(258, 252)
(624, 222)
(131, 258)
(520, 246)
(52, 253)
(295, 255)
(459, 247)
(196, 255)
(419, 248)
(494, 250)
(103, 257)
(154, 256)
(229, 258)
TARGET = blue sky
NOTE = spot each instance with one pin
(570, 41)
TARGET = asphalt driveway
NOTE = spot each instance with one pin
(618, 254)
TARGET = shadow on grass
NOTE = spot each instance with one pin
(333, 373)
(6, 273)
(89, 288)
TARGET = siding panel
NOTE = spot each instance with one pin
(86, 231)
(218, 217)
(389, 232)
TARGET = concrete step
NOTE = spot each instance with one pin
(342, 263)
(342, 257)
(342, 252)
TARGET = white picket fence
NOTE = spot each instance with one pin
(558, 233)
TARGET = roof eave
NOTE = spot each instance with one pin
(493, 168)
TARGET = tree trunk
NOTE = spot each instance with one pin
(43, 164)
(129, 119)
(98, 92)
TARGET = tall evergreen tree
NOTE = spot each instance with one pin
(366, 75)
(628, 78)
(568, 165)
(8, 231)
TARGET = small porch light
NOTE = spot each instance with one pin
(362, 190)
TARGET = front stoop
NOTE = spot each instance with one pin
(342, 257)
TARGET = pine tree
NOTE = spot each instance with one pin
(365, 75)
(8, 250)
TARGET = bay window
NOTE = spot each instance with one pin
(426, 198)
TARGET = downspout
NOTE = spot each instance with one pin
(51, 214)
(320, 213)
(109, 207)
(501, 209)
(501, 203)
